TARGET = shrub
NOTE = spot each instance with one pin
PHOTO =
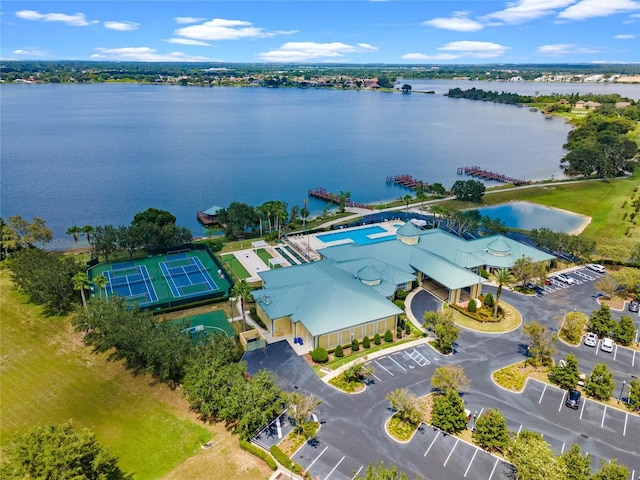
(399, 332)
(484, 274)
(355, 346)
(407, 328)
(366, 343)
(388, 336)
(285, 461)
(471, 306)
(624, 217)
(401, 294)
(376, 339)
(488, 300)
(319, 355)
(215, 245)
(624, 204)
(338, 352)
(258, 452)
(399, 304)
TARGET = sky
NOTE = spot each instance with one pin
(331, 31)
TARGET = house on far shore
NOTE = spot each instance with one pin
(350, 292)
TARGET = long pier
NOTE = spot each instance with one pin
(405, 180)
(323, 194)
(487, 175)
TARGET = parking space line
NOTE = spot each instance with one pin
(279, 427)
(391, 358)
(624, 430)
(469, 466)
(561, 400)
(378, 363)
(615, 352)
(358, 472)
(371, 373)
(582, 409)
(494, 467)
(432, 442)
(314, 461)
(562, 450)
(603, 414)
(542, 394)
(633, 474)
(334, 468)
(519, 428)
(451, 453)
(633, 359)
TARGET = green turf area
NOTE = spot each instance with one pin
(49, 376)
(264, 255)
(236, 267)
(212, 321)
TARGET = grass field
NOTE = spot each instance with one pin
(236, 267)
(49, 376)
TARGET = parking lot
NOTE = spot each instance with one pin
(399, 363)
(576, 277)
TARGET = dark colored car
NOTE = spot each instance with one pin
(573, 399)
(633, 306)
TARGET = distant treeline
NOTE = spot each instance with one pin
(515, 99)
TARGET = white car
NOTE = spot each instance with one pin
(606, 345)
(596, 268)
(591, 339)
(565, 279)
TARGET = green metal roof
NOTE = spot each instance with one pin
(323, 297)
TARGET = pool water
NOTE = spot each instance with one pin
(527, 216)
(359, 235)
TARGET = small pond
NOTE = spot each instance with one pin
(527, 216)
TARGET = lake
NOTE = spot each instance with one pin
(527, 216)
(97, 154)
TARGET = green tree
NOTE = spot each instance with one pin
(241, 290)
(406, 405)
(523, 270)
(468, 190)
(406, 88)
(262, 401)
(566, 373)
(600, 384)
(343, 198)
(447, 413)
(503, 278)
(600, 322)
(634, 394)
(301, 407)
(100, 281)
(611, 470)
(607, 285)
(542, 343)
(578, 466)
(380, 471)
(105, 240)
(443, 328)
(58, 452)
(573, 326)
(75, 231)
(154, 216)
(30, 233)
(625, 330)
(81, 282)
(533, 458)
(450, 377)
(239, 218)
(437, 189)
(490, 431)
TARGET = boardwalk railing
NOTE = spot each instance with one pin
(322, 194)
(487, 175)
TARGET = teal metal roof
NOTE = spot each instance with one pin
(321, 296)
(213, 210)
(408, 230)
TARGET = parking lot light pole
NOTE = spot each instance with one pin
(475, 415)
(624, 382)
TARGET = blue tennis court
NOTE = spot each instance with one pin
(131, 282)
(186, 276)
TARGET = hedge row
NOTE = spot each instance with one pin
(258, 452)
(285, 461)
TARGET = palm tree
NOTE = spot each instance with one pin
(343, 198)
(242, 290)
(304, 213)
(101, 282)
(88, 231)
(75, 231)
(501, 277)
(81, 282)
(406, 199)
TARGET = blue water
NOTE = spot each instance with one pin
(359, 235)
(527, 216)
(98, 154)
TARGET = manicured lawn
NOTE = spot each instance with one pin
(49, 376)
(512, 320)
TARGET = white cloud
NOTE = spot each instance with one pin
(598, 8)
(422, 56)
(475, 49)
(75, 20)
(458, 23)
(187, 41)
(306, 51)
(144, 54)
(31, 53)
(625, 36)
(183, 20)
(525, 10)
(121, 26)
(557, 49)
(222, 29)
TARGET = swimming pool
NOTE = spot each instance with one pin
(363, 236)
(527, 216)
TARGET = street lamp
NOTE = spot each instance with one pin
(624, 382)
(475, 415)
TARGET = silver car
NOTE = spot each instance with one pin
(606, 345)
(591, 339)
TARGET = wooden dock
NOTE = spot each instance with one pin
(323, 194)
(405, 180)
(487, 175)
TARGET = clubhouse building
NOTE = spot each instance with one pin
(350, 292)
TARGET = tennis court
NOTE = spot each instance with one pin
(165, 280)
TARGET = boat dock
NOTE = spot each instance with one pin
(405, 180)
(322, 194)
(487, 175)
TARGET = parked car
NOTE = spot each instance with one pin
(573, 399)
(596, 267)
(547, 281)
(564, 278)
(606, 345)
(634, 306)
(591, 339)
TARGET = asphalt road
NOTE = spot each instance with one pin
(352, 432)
